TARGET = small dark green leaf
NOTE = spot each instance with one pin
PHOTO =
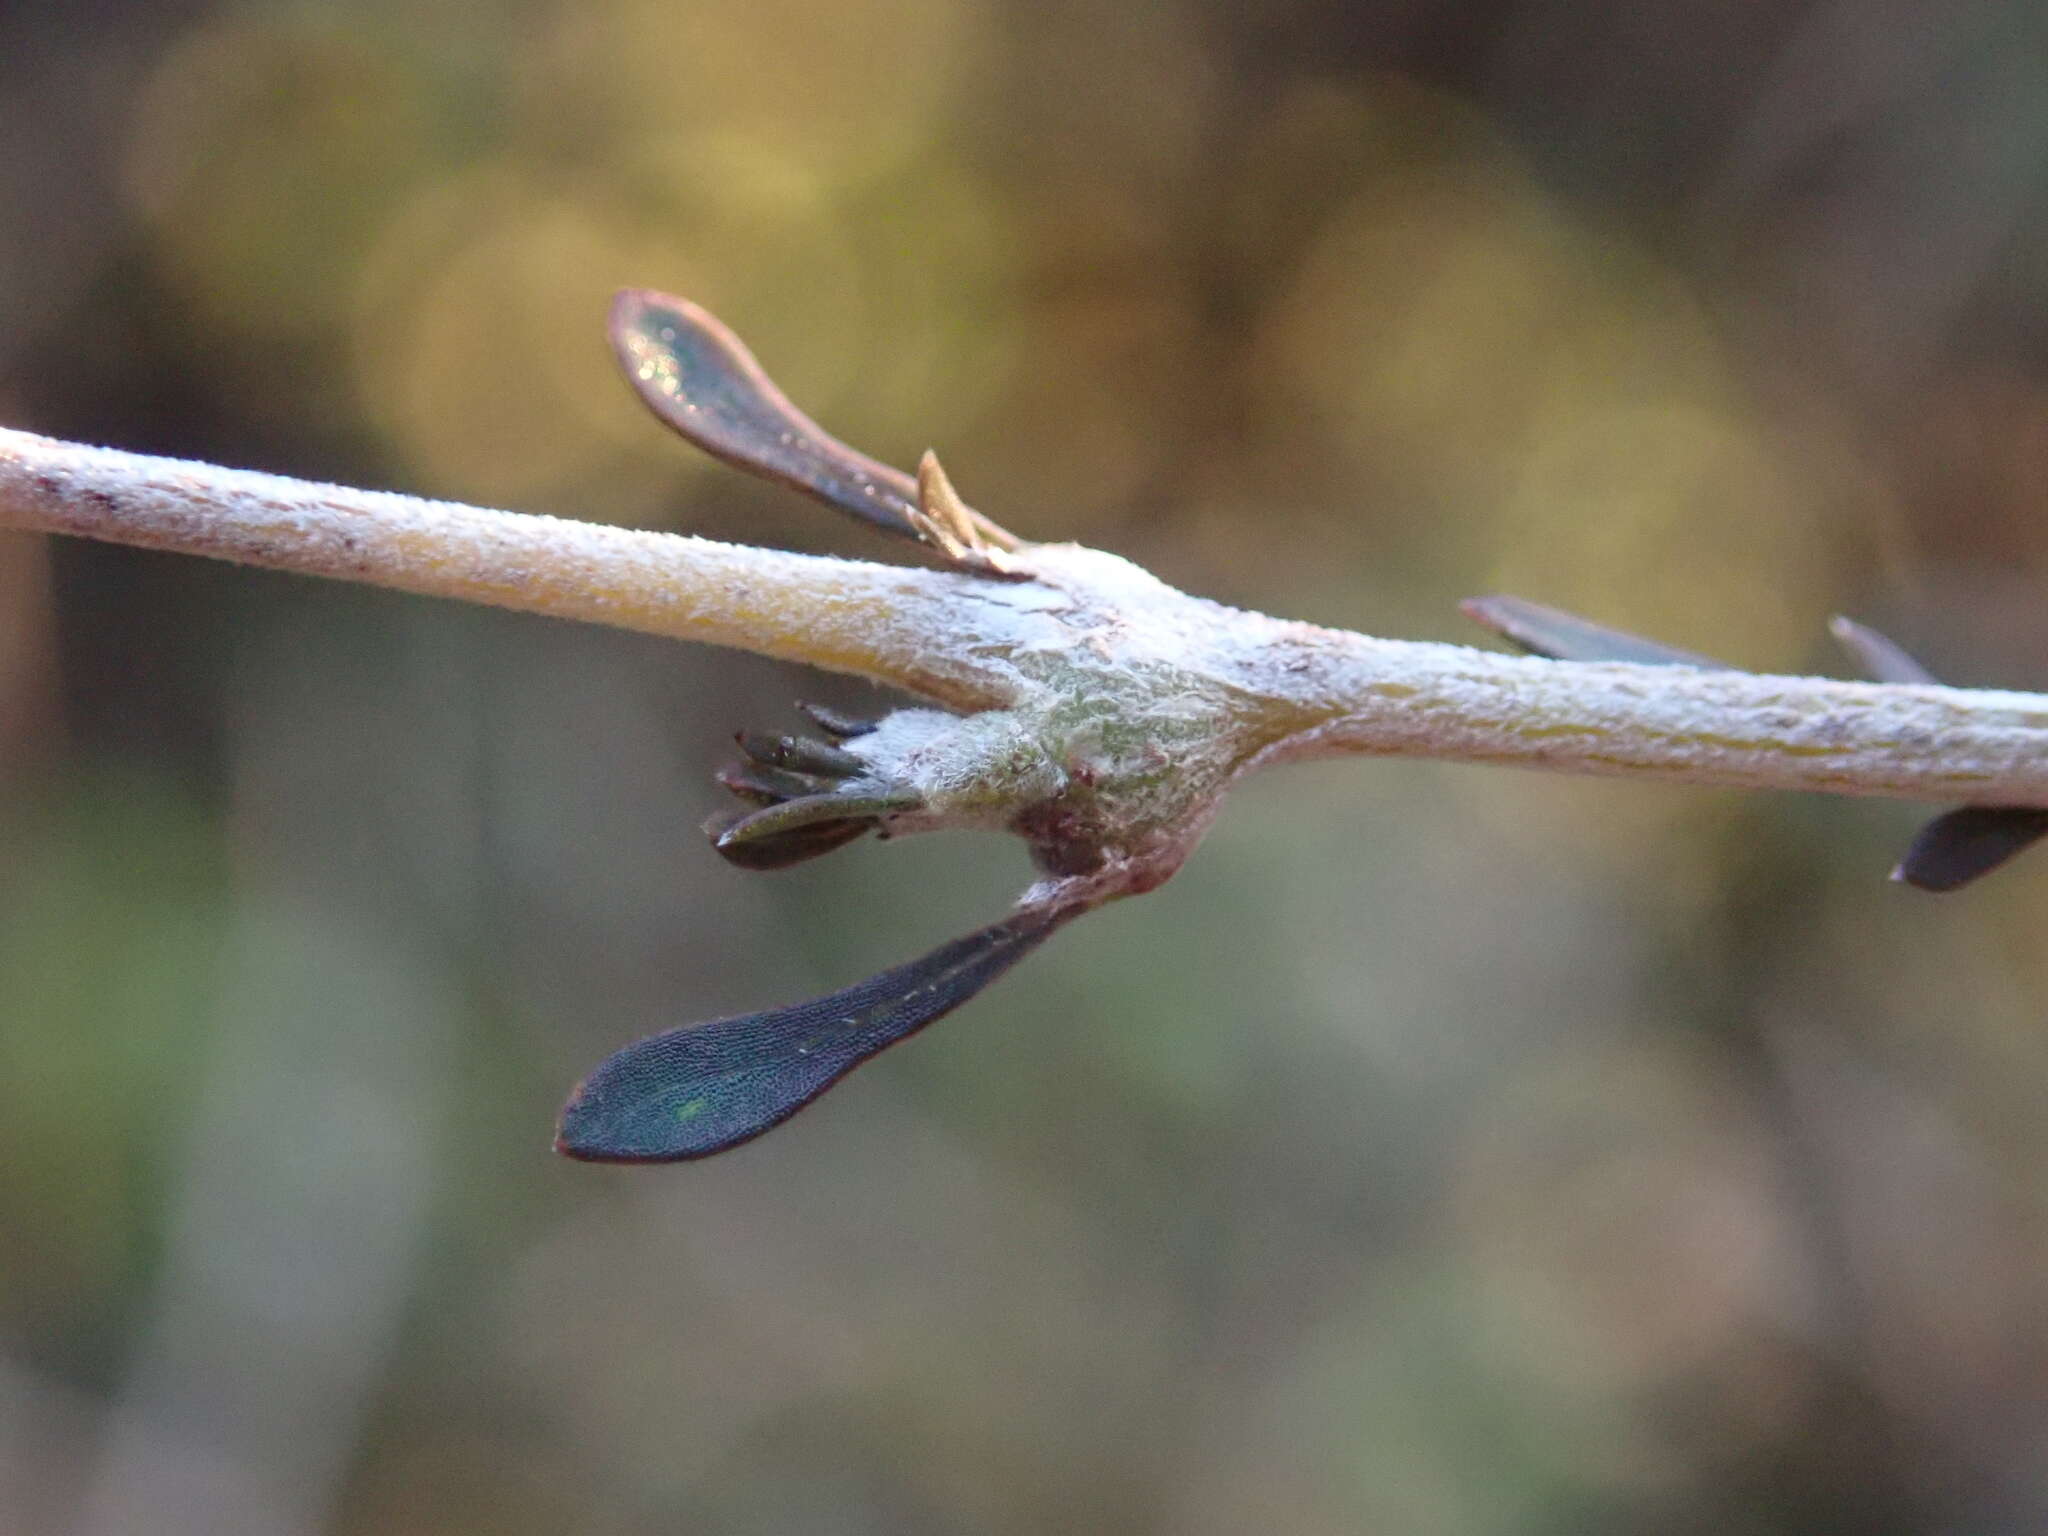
(836, 723)
(758, 785)
(812, 810)
(1964, 845)
(698, 1090)
(780, 850)
(799, 754)
(700, 378)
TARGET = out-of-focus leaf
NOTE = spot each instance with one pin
(1562, 636)
(1967, 844)
(1880, 656)
(1952, 850)
(1958, 846)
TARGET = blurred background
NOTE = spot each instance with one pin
(1445, 1151)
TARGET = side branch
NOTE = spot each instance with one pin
(893, 624)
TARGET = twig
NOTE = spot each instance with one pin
(1095, 711)
(967, 642)
(879, 621)
(1748, 730)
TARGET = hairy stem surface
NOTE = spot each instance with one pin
(1750, 730)
(889, 623)
(1118, 646)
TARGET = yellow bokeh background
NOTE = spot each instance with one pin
(1444, 1151)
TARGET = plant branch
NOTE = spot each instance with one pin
(1097, 713)
(1725, 727)
(893, 624)
(970, 643)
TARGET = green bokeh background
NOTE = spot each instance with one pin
(1445, 1151)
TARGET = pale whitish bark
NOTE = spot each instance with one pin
(960, 639)
(1751, 730)
(877, 621)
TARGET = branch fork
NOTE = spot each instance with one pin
(1077, 702)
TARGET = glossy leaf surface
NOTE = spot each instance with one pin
(701, 1089)
(700, 378)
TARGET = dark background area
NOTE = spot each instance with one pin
(1445, 1151)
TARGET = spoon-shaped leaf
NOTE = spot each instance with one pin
(697, 1090)
(700, 378)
